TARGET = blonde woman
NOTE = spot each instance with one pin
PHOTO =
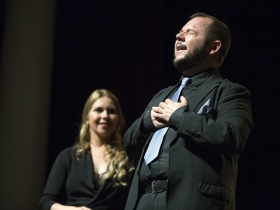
(94, 173)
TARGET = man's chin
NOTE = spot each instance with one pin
(178, 58)
(179, 64)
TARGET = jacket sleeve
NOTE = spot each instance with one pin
(135, 139)
(54, 191)
(226, 127)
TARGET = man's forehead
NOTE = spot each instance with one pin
(196, 23)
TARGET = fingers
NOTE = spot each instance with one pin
(155, 109)
(157, 119)
(168, 100)
(155, 115)
(163, 104)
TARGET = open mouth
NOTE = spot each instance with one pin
(181, 46)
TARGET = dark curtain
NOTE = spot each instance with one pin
(127, 47)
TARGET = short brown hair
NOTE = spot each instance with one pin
(217, 30)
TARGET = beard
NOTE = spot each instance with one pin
(191, 59)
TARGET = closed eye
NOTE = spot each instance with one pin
(188, 32)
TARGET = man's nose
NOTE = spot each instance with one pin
(180, 36)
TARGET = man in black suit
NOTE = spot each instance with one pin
(207, 129)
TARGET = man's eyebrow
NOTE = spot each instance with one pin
(188, 30)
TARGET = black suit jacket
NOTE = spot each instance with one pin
(203, 160)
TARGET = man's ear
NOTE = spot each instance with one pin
(215, 47)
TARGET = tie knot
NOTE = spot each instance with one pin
(184, 81)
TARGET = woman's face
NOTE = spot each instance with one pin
(102, 118)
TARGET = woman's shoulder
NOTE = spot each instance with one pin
(68, 152)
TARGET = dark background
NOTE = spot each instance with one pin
(127, 47)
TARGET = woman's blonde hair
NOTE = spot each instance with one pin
(118, 164)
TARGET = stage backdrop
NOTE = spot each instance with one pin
(127, 47)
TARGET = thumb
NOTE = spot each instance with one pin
(183, 100)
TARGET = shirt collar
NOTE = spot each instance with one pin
(199, 78)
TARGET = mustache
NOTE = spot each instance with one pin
(180, 44)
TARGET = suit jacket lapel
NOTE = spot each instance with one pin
(163, 96)
(203, 90)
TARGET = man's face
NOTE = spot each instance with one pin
(190, 46)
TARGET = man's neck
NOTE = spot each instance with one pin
(195, 71)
